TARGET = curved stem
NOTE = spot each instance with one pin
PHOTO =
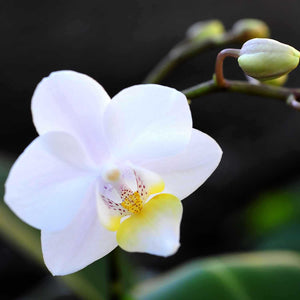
(219, 64)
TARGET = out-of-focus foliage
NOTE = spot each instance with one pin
(273, 220)
(255, 276)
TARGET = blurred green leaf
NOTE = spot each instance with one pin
(286, 237)
(273, 220)
(271, 210)
(255, 276)
(90, 283)
(126, 270)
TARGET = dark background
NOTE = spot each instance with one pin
(117, 43)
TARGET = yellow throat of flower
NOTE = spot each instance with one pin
(133, 203)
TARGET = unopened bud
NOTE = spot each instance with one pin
(204, 30)
(280, 81)
(250, 29)
(266, 59)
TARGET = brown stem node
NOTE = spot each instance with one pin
(220, 80)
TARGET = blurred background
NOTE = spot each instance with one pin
(252, 200)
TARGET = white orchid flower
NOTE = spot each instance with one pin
(107, 172)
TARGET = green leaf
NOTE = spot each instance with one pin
(89, 283)
(254, 276)
(273, 220)
(126, 270)
(272, 210)
(286, 237)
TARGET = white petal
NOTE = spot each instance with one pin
(155, 229)
(146, 122)
(74, 103)
(148, 183)
(84, 241)
(49, 181)
(186, 171)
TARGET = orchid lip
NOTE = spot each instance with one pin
(127, 195)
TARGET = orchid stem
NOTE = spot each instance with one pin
(187, 49)
(287, 95)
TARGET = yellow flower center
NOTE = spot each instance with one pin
(133, 203)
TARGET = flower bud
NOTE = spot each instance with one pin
(266, 59)
(204, 30)
(250, 29)
(280, 81)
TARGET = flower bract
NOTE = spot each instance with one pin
(106, 172)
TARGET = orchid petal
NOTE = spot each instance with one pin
(148, 183)
(155, 230)
(47, 184)
(186, 171)
(110, 213)
(78, 245)
(74, 103)
(146, 122)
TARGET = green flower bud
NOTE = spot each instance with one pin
(266, 59)
(280, 81)
(250, 29)
(204, 30)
